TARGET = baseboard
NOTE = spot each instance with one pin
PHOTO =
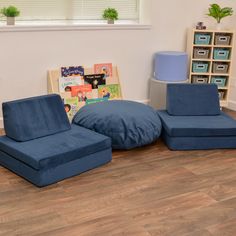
(143, 101)
(232, 105)
(1, 123)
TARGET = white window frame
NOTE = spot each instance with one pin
(144, 23)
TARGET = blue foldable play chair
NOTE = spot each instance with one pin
(193, 119)
(43, 147)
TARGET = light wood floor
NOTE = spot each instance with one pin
(149, 191)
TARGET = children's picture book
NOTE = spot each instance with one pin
(65, 83)
(95, 100)
(95, 80)
(72, 71)
(71, 106)
(103, 68)
(111, 91)
(82, 92)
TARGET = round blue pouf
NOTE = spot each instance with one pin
(171, 66)
(129, 124)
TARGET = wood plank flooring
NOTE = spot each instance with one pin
(150, 191)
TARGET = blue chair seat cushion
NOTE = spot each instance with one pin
(57, 149)
(198, 126)
(129, 124)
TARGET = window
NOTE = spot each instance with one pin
(73, 9)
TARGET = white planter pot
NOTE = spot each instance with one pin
(219, 26)
(110, 21)
(10, 20)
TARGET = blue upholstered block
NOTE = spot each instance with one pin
(199, 143)
(192, 100)
(54, 150)
(31, 118)
(54, 174)
(198, 126)
(128, 124)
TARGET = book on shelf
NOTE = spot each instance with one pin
(70, 76)
(103, 68)
(65, 83)
(111, 91)
(82, 92)
(72, 71)
(71, 106)
(95, 100)
(95, 80)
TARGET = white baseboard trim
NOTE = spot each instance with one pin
(1, 123)
(232, 105)
(143, 101)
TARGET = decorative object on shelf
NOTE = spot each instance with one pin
(211, 53)
(10, 13)
(110, 14)
(219, 13)
(200, 26)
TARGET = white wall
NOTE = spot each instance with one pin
(26, 56)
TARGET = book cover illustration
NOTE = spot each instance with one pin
(65, 83)
(82, 92)
(72, 71)
(95, 80)
(111, 91)
(103, 68)
(95, 100)
(71, 106)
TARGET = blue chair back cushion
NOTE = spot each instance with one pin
(36, 117)
(192, 100)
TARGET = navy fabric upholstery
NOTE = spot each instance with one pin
(54, 150)
(52, 175)
(198, 126)
(129, 124)
(192, 99)
(199, 143)
(36, 117)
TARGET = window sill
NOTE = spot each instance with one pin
(71, 26)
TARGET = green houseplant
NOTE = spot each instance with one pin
(10, 12)
(219, 13)
(110, 14)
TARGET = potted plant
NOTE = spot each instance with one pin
(10, 12)
(110, 14)
(219, 13)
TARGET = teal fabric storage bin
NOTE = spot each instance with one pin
(200, 67)
(219, 81)
(221, 54)
(202, 39)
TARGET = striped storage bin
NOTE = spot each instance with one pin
(201, 53)
(221, 54)
(220, 81)
(198, 79)
(222, 39)
(200, 67)
(202, 39)
(220, 68)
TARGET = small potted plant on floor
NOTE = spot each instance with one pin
(219, 13)
(110, 14)
(10, 12)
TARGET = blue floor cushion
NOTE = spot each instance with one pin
(48, 159)
(200, 126)
(129, 124)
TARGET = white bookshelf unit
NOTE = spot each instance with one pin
(211, 53)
